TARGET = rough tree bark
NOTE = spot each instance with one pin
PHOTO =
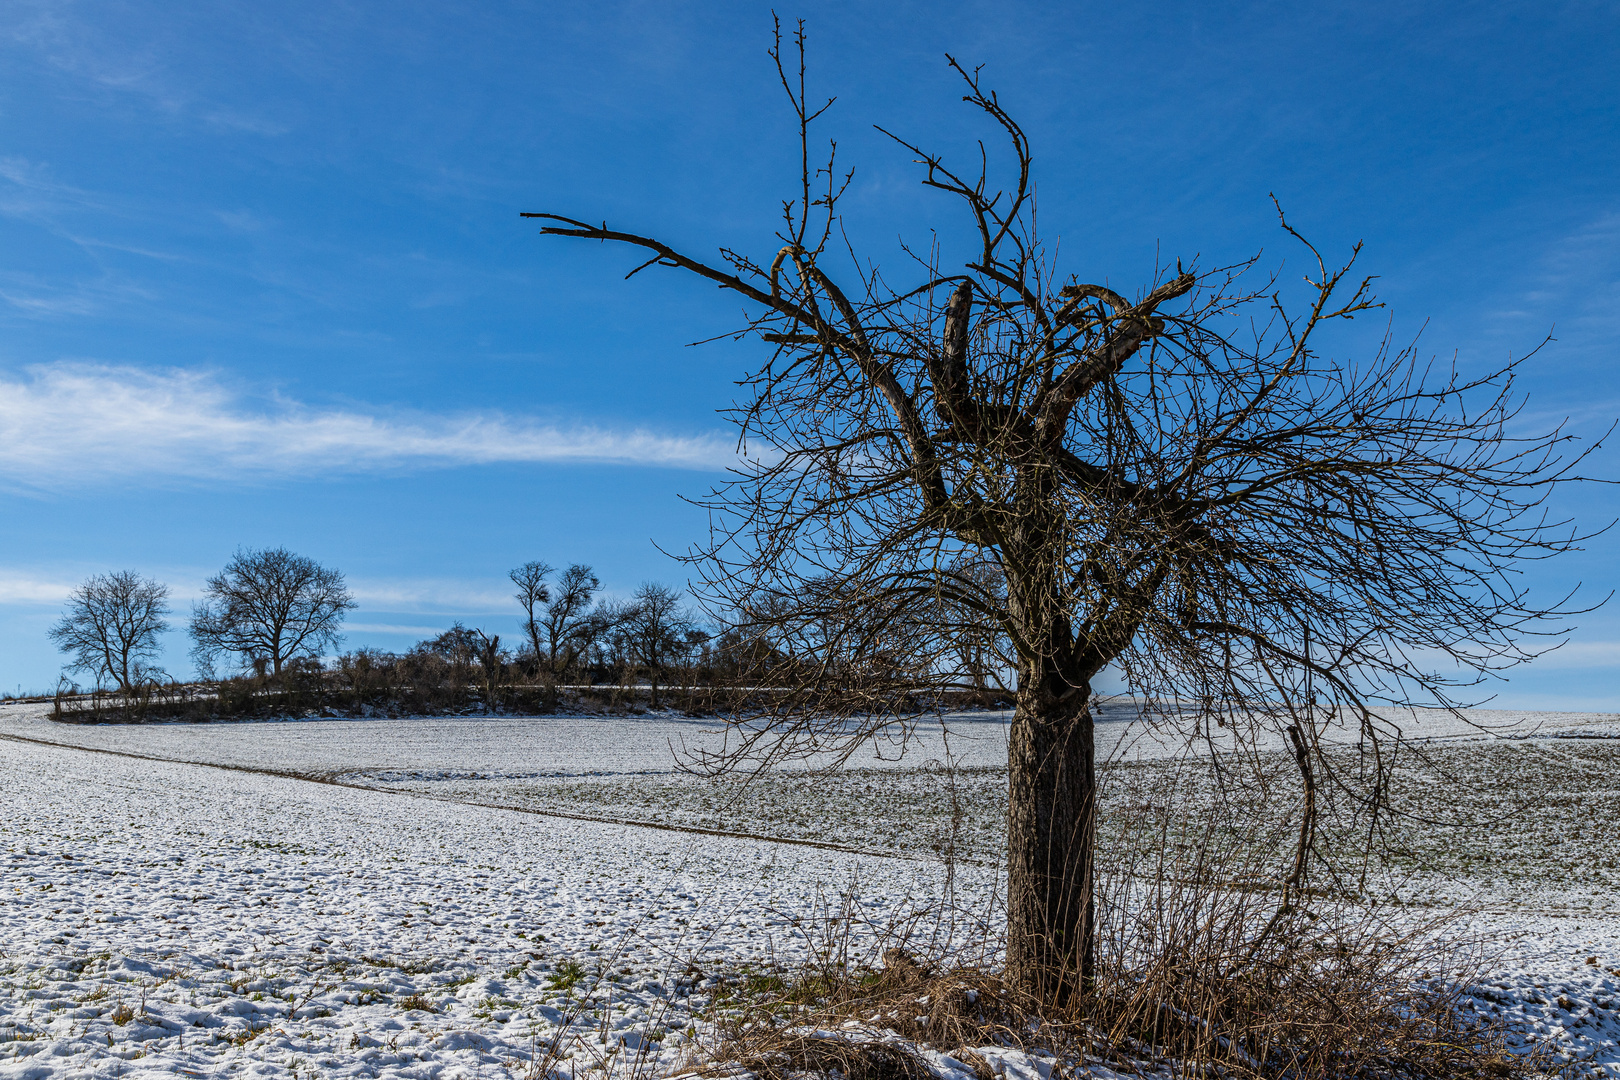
(1051, 836)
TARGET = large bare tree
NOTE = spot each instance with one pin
(269, 605)
(111, 628)
(1174, 485)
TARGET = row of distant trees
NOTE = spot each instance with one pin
(652, 633)
(272, 610)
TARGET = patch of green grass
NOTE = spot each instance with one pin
(566, 976)
(912, 807)
(754, 984)
(486, 1009)
(1507, 818)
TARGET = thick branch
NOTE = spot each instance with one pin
(1135, 326)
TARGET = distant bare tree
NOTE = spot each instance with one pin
(602, 637)
(269, 605)
(655, 626)
(1173, 484)
(111, 628)
(533, 594)
(556, 624)
(981, 651)
(566, 616)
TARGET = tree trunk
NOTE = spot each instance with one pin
(1051, 836)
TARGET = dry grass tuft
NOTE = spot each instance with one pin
(1207, 957)
(1300, 994)
(791, 1055)
(1206, 964)
(1316, 1005)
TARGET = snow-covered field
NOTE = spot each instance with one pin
(434, 898)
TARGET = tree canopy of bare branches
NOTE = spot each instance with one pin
(111, 628)
(269, 606)
(1176, 485)
(558, 624)
(655, 627)
(534, 594)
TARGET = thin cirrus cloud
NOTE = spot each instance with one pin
(422, 598)
(21, 587)
(431, 595)
(396, 628)
(83, 424)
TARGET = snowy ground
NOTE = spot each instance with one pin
(172, 913)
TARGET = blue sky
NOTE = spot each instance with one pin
(263, 279)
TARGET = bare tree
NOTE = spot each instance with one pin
(567, 615)
(603, 639)
(981, 651)
(269, 605)
(533, 594)
(458, 646)
(556, 625)
(1174, 484)
(656, 627)
(111, 628)
(491, 661)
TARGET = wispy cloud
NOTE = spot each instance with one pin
(135, 61)
(21, 587)
(392, 628)
(47, 303)
(84, 424)
(420, 600)
(432, 595)
(1573, 287)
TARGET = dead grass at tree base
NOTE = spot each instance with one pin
(793, 1054)
(1305, 1001)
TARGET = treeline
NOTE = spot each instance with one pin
(264, 632)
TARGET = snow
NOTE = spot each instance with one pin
(211, 887)
(203, 897)
(1558, 981)
(499, 746)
